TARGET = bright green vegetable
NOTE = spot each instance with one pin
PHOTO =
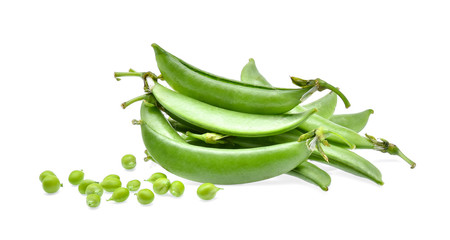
(207, 191)
(112, 176)
(84, 184)
(93, 200)
(353, 121)
(161, 186)
(45, 174)
(312, 174)
(120, 195)
(156, 176)
(94, 188)
(176, 188)
(110, 184)
(76, 176)
(145, 196)
(51, 184)
(251, 75)
(128, 161)
(133, 185)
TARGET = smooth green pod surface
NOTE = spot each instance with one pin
(225, 121)
(222, 166)
(225, 93)
(312, 174)
(251, 75)
(353, 121)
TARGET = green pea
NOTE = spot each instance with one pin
(112, 176)
(45, 174)
(75, 177)
(145, 196)
(161, 186)
(156, 176)
(110, 184)
(128, 161)
(133, 185)
(94, 188)
(207, 191)
(93, 200)
(120, 194)
(51, 184)
(84, 184)
(176, 188)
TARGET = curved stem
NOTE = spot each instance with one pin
(133, 100)
(385, 146)
(320, 85)
(324, 85)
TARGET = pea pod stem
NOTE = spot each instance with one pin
(385, 146)
(143, 75)
(320, 85)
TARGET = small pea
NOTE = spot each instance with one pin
(120, 194)
(94, 188)
(93, 200)
(111, 184)
(133, 185)
(112, 176)
(176, 188)
(155, 177)
(51, 184)
(128, 161)
(45, 174)
(76, 176)
(161, 186)
(145, 196)
(84, 184)
(207, 191)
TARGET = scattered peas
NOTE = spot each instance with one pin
(93, 200)
(207, 191)
(145, 196)
(156, 176)
(176, 188)
(133, 185)
(94, 188)
(84, 184)
(51, 184)
(120, 194)
(112, 176)
(161, 186)
(128, 161)
(110, 184)
(76, 176)
(45, 174)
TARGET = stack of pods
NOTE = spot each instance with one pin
(212, 129)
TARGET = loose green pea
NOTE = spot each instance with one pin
(207, 191)
(112, 176)
(133, 185)
(84, 184)
(76, 176)
(111, 184)
(145, 196)
(51, 184)
(156, 176)
(176, 188)
(161, 186)
(94, 188)
(45, 174)
(120, 194)
(93, 200)
(128, 161)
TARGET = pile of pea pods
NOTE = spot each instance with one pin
(211, 129)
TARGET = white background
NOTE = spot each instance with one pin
(61, 111)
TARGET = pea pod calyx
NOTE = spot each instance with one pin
(385, 146)
(319, 85)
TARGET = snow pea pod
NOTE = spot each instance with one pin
(325, 105)
(353, 121)
(222, 120)
(220, 166)
(227, 93)
(312, 174)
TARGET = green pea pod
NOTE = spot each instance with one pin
(225, 93)
(312, 174)
(353, 121)
(220, 166)
(325, 105)
(222, 120)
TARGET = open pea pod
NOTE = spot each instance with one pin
(219, 166)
